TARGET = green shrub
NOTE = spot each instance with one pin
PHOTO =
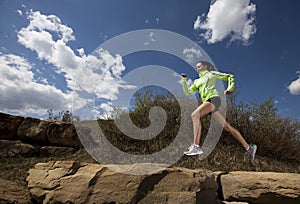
(276, 137)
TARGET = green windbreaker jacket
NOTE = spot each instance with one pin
(206, 84)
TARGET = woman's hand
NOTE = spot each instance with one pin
(227, 92)
(183, 75)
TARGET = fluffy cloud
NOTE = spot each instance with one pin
(22, 94)
(20, 12)
(192, 54)
(294, 86)
(107, 110)
(228, 18)
(40, 35)
(101, 75)
(48, 37)
(152, 38)
(41, 22)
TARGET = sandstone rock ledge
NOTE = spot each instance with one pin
(11, 192)
(261, 187)
(72, 182)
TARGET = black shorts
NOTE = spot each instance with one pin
(216, 100)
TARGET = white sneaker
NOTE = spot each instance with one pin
(194, 150)
(250, 153)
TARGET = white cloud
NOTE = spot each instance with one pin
(228, 18)
(40, 22)
(192, 55)
(151, 37)
(101, 75)
(107, 110)
(20, 12)
(189, 82)
(197, 23)
(81, 52)
(22, 94)
(48, 37)
(294, 86)
(151, 21)
(39, 36)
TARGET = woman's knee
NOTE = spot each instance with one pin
(195, 115)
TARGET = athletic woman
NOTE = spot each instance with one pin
(205, 85)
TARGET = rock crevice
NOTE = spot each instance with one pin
(147, 185)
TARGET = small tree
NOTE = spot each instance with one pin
(50, 113)
(67, 116)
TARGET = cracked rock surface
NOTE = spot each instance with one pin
(74, 182)
(71, 182)
(261, 187)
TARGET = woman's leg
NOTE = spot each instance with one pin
(217, 116)
(202, 110)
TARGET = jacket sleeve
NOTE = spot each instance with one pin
(229, 78)
(187, 90)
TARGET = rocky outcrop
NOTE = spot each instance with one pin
(62, 134)
(11, 192)
(16, 148)
(260, 187)
(38, 132)
(33, 130)
(71, 182)
(9, 125)
(10, 149)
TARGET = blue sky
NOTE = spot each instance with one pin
(44, 45)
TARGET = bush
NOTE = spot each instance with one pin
(276, 137)
(139, 115)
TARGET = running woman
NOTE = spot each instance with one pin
(205, 85)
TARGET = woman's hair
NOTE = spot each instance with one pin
(209, 66)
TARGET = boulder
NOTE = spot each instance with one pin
(71, 182)
(261, 187)
(33, 130)
(10, 149)
(11, 192)
(9, 125)
(62, 134)
(46, 177)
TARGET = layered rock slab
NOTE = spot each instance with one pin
(261, 187)
(72, 182)
(11, 192)
(9, 125)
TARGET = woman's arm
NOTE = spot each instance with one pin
(187, 90)
(229, 78)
